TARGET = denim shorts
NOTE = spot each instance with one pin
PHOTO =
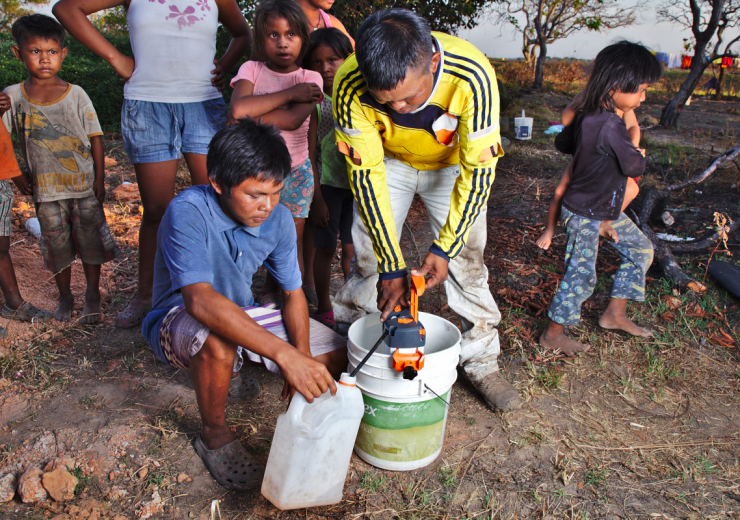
(157, 132)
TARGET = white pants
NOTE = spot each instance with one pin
(467, 288)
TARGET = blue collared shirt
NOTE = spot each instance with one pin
(198, 243)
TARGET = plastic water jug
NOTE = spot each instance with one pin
(523, 127)
(311, 448)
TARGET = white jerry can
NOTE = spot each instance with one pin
(312, 447)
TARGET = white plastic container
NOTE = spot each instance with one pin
(311, 448)
(33, 227)
(523, 127)
(404, 422)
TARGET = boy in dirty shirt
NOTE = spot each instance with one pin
(61, 139)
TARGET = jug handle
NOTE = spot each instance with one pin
(296, 408)
(296, 415)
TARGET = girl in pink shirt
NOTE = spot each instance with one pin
(281, 93)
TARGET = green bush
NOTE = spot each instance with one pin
(82, 68)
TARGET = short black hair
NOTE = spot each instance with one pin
(287, 9)
(247, 150)
(391, 43)
(38, 26)
(330, 37)
(622, 66)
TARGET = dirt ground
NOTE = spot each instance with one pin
(633, 429)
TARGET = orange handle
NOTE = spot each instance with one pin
(417, 289)
(418, 284)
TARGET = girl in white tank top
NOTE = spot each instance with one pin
(173, 104)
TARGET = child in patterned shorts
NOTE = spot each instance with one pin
(604, 157)
(282, 93)
(62, 143)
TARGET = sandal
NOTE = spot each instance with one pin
(3, 333)
(26, 312)
(311, 296)
(272, 300)
(133, 314)
(230, 465)
(326, 318)
(243, 388)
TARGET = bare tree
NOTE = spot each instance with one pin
(546, 21)
(708, 21)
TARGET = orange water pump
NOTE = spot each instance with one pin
(405, 335)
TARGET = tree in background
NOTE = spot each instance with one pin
(708, 21)
(111, 21)
(444, 15)
(11, 10)
(546, 21)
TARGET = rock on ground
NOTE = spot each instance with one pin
(7, 488)
(60, 462)
(60, 484)
(151, 508)
(30, 488)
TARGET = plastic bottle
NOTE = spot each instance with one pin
(311, 448)
(33, 227)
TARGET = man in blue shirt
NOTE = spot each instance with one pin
(210, 243)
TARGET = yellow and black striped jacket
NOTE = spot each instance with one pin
(457, 125)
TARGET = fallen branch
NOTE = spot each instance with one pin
(664, 253)
(703, 245)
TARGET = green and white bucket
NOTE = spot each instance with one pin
(404, 422)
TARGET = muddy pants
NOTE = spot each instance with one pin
(467, 288)
(580, 265)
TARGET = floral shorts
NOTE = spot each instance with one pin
(297, 193)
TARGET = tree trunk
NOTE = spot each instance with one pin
(718, 93)
(539, 69)
(670, 113)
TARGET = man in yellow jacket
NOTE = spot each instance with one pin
(417, 112)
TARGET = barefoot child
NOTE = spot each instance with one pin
(281, 93)
(331, 214)
(553, 215)
(62, 143)
(603, 158)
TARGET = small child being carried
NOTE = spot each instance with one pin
(62, 143)
(595, 189)
(553, 215)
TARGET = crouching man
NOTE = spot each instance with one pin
(211, 241)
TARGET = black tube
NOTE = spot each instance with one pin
(372, 351)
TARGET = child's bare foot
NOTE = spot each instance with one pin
(618, 321)
(607, 231)
(63, 312)
(92, 312)
(545, 239)
(559, 342)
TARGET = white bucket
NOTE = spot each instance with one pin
(404, 422)
(523, 127)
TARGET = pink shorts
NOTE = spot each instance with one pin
(182, 337)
